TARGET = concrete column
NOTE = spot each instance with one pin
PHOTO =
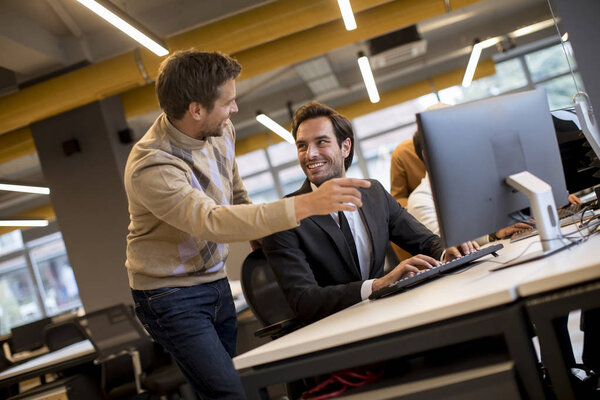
(83, 162)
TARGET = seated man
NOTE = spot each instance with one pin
(320, 268)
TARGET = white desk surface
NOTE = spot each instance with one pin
(470, 291)
(70, 352)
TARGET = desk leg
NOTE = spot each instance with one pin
(543, 312)
(518, 339)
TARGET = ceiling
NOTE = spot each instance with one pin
(41, 40)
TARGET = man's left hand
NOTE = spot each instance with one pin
(460, 250)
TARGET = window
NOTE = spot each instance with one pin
(252, 162)
(36, 280)
(391, 117)
(10, 242)
(561, 90)
(377, 152)
(549, 62)
(378, 134)
(261, 188)
(291, 178)
(509, 76)
(18, 302)
(59, 288)
(282, 153)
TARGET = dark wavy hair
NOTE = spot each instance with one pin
(341, 125)
(191, 75)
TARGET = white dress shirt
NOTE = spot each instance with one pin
(362, 240)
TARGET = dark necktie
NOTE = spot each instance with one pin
(345, 227)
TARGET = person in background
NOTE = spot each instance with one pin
(186, 201)
(406, 171)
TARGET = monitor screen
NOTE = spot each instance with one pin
(575, 151)
(29, 336)
(470, 150)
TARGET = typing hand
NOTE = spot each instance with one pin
(510, 230)
(406, 269)
(460, 250)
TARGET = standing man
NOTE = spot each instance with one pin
(186, 201)
(330, 262)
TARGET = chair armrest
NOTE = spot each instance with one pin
(280, 328)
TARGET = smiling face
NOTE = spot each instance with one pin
(319, 154)
(212, 123)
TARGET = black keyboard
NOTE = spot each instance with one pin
(426, 274)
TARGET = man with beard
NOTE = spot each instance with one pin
(186, 201)
(319, 266)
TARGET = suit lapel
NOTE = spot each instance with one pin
(328, 225)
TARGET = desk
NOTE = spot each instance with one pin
(70, 356)
(456, 308)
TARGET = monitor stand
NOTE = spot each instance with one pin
(542, 204)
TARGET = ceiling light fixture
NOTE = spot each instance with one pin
(526, 30)
(347, 14)
(474, 59)
(23, 222)
(565, 37)
(367, 74)
(24, 188)
(275, 127)
(125, 23)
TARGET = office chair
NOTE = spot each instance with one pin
(62, 334)
(115, 332)
(265, 298)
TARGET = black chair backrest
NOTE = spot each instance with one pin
(262, 292)
(112, 330)
(29, 336)
(63, 334)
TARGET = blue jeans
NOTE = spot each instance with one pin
(198, 326)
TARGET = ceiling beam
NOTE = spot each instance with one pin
(310, 43)
(121, 73)
(257, 44)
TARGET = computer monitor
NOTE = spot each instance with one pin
(29, 336)
(478, 154)
(578, 158)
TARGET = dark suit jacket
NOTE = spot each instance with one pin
(313, 263)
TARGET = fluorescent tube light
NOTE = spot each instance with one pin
(367, 75)
(565, 37)
(110, 15)
(23, 222)
(526, 30)
(275, 127)
(24, 188)
(347, 14)
(474, 59)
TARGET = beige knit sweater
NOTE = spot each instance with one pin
(181, 191)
